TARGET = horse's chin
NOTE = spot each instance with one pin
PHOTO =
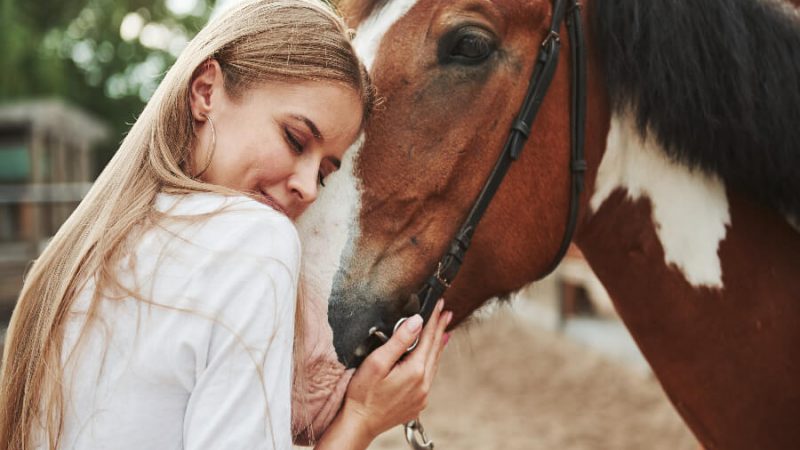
(320, 380)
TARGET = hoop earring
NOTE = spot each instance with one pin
(213, 146)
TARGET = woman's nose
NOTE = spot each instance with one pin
(304, 182)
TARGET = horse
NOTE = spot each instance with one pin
(688, 216)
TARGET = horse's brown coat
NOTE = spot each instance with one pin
(725, 357)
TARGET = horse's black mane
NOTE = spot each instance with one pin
(717, 83)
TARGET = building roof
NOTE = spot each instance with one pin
(58, 117)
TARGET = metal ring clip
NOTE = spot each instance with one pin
(374, 331)
(416, 341)
(414, 429)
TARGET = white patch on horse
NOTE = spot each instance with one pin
(689, 207)
(370, 32)
(328, 230)
(328, 225)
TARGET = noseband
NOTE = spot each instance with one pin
(545, 66)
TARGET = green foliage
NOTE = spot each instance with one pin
(106, 56)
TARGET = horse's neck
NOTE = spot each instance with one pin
(704, 278)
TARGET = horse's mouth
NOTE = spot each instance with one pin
(351, 322)
(361, 323)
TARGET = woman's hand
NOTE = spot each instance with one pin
(385, 391)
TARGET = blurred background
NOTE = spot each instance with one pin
(552, 368)
(75, 74)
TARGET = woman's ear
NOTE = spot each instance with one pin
(206, 85)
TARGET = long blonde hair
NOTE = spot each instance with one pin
(254, 42)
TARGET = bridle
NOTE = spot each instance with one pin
(448, 266)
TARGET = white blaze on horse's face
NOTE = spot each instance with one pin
(370, 32)
(330, 225)
(328, 229)
(689, 208)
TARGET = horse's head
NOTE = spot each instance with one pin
(453, 75)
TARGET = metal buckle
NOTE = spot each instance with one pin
(552, 36)
(414, 429)
(440, 277)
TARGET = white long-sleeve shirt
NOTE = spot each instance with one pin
(204, 359)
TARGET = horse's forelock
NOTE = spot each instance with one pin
(356, 11)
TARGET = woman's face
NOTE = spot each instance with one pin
(278, 141)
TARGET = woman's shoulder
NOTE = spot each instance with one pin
(230, 224)
(210, 203)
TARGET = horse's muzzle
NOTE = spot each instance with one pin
(362, 322)
(351, 318)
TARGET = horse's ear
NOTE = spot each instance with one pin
(356, 11)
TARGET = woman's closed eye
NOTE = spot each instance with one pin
(293, 140)
(297, 143)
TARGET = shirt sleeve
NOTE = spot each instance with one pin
(248, 283)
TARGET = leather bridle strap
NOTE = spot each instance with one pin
(577, 162)
(543, 72)
(544, 69)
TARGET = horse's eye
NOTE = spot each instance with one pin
(469, 45)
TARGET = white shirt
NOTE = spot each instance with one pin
(209, 364)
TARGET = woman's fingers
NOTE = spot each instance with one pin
(441, 337)
(436, 331)
(386, 356)
(385, 393)
(428, 335)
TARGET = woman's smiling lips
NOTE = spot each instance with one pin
(271, 202)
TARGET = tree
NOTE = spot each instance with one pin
(104, 55)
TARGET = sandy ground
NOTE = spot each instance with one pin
(506, 384)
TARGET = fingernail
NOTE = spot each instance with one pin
(440, 305)
(414, 323)
(448, 317)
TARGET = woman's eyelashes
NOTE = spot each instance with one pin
(293, 140)
(296, 143)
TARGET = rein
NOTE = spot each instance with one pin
(448, 266)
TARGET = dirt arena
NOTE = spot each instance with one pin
(505, 384)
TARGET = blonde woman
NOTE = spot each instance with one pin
(162, 314)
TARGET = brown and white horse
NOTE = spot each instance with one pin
(689, 216)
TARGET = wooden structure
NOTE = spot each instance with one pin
(46, 167)
(580, 291)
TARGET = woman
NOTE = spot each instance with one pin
(162, 314)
